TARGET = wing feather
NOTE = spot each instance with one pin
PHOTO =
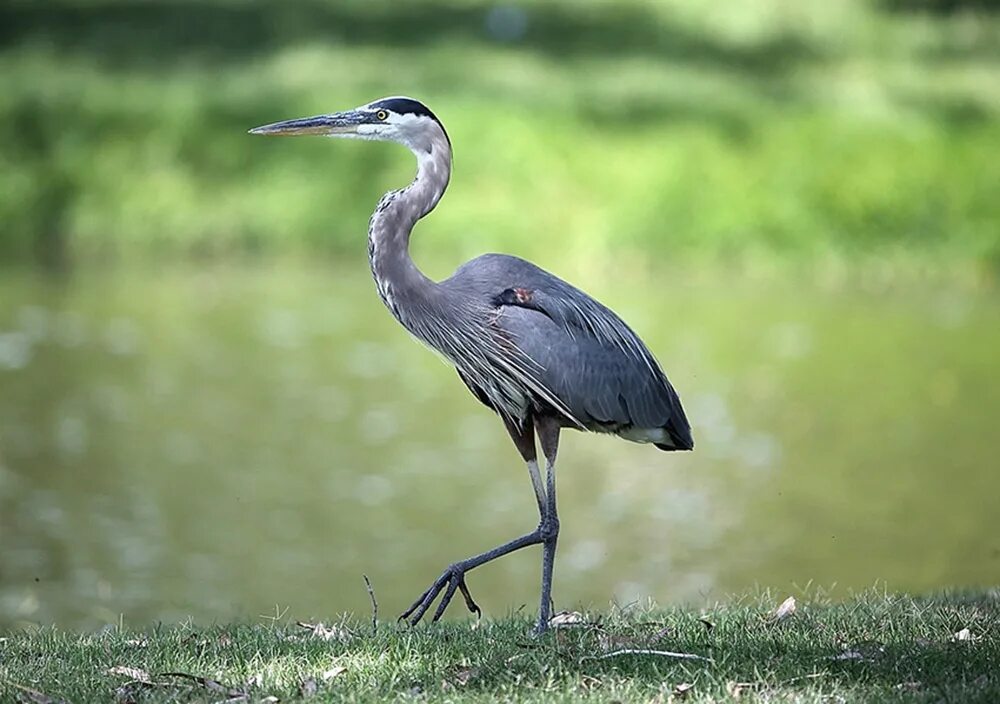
(571, 351)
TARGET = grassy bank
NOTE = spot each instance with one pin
(876, 647)
(677, 129)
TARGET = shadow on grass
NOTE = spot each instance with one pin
(877, 647)
(159, 32)
(894, 646)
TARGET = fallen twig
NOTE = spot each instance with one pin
(813, 676)
(660, 653)
(371, 595)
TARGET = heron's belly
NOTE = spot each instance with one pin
(645, 435)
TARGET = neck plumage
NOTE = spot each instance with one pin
(401, 285)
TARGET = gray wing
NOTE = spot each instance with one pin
(587, 356)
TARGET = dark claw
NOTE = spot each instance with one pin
(470, 604)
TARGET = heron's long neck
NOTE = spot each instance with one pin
(401, 285)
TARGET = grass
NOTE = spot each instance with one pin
(877, 647)
(692, 130)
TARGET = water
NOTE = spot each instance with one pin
(235, 442)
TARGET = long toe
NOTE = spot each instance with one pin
(453, 578)
(470, 603)
(423, 602)
(448, 594)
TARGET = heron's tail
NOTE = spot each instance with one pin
(679, 432)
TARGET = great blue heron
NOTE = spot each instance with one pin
(539, 352)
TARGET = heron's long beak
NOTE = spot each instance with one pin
(336, 124)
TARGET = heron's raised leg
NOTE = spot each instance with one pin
(453, 578)
(548, 437)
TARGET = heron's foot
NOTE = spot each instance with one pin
(544, 622)
(451, 579)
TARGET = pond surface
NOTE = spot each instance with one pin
(233, 442)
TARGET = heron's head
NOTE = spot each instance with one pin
(399, 119)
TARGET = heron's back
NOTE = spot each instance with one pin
(565, 352)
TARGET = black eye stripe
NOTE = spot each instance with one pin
(407, 106)
(402, 106)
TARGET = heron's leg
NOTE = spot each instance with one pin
(548, 437)
(454, 578)
(523, 435)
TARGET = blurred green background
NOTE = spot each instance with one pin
(204, 410)
(675, 129)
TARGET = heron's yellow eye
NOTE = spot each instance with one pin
(382, 114)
